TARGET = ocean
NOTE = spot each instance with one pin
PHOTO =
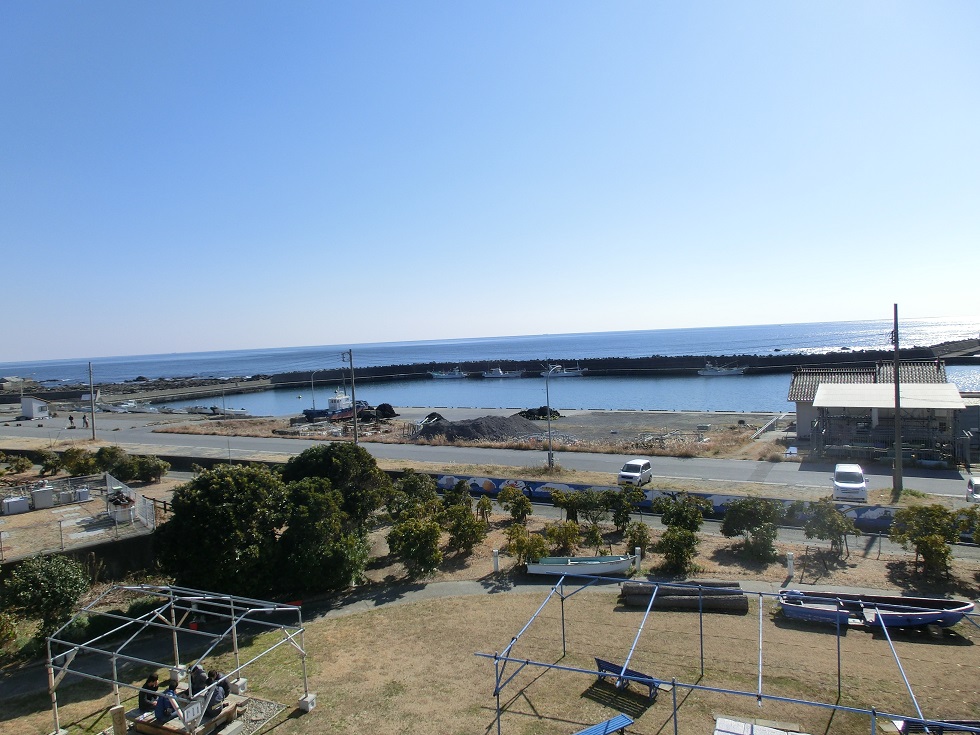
(743, 393)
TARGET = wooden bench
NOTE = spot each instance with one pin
(607, 668)
(620, 722)
(146, 722)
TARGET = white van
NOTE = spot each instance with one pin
(635, 472)
(849, 483)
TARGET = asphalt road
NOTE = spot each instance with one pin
(136, 435)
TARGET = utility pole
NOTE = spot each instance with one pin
(897, 471)
(91, 399)
(349, 356)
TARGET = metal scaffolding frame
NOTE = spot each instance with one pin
(199, 619)
(503, 659)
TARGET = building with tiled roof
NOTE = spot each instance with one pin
(806, 381)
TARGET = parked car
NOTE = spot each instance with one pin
(973, 490)
(849, 483)
(635, 472)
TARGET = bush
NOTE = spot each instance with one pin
(465, 529)
(49, 461)
(525, 547)
(78, 462)
(637, 535)
(755, 519)
(563, 536)
(513, 500)
(416, 542)
(19, 464)
(46, 588)
(678, 546)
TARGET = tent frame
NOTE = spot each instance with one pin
(182, 615)
(502, 660)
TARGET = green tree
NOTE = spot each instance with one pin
(825, 522)
(46, 588)
(681, 510)
(594, 506)
(637, 534)
(564, 536)
(106, 458)
(415, 495)
(77, 462)
(319, 549)
(568, 501)
(525, 546)
(150, 468)
(756, 521)
(351, 469)
(465, 529)
(929, 530)
(593, 537)
(678, 545)
(224, 530)
(416, 542)
(484, 507)
(49, 461)
(458, 495)
(516, 503)
(622, 502)
(18, 464)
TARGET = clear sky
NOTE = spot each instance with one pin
(183, 176)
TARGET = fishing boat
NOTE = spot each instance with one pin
(498, 373)
(712, 370)
(221, 411)
(891, 611)
(588, 565)
(455, 373)
(198, 409)
(557, 371)
(339, 406)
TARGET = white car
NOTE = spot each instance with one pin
(849, 483)
(973, 490)
(635, 472)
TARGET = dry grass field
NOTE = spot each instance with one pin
(403, 659)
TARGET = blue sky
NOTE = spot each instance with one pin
(189, 176)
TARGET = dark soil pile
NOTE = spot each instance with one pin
(486, 428)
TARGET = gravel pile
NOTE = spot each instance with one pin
(488, 428)
(256, 712)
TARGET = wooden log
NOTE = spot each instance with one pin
(736, 604)
(707, 588)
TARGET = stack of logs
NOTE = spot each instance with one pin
(723, 597)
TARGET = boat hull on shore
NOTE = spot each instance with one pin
(890, 611)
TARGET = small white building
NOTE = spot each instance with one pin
(33, 408)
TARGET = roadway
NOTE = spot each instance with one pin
(135, 434)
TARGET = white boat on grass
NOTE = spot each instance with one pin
(712, 370)
(498, 373)
(582, 565)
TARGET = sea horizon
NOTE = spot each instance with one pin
(789, 338)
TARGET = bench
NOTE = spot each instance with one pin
(620, 722)
(146, 722)
(606, 668)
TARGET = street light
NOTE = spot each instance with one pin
(312, 389)
(547, 398)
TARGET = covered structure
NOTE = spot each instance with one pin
(858, 421)
(179, 629)
(806, 381)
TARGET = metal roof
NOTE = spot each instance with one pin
(807, 379)
(882, 395)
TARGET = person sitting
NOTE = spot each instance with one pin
(218, 694)
(148, 693)
(166, 706)
(199, 680)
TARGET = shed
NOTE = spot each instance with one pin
(33, 408)
(859, 420)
